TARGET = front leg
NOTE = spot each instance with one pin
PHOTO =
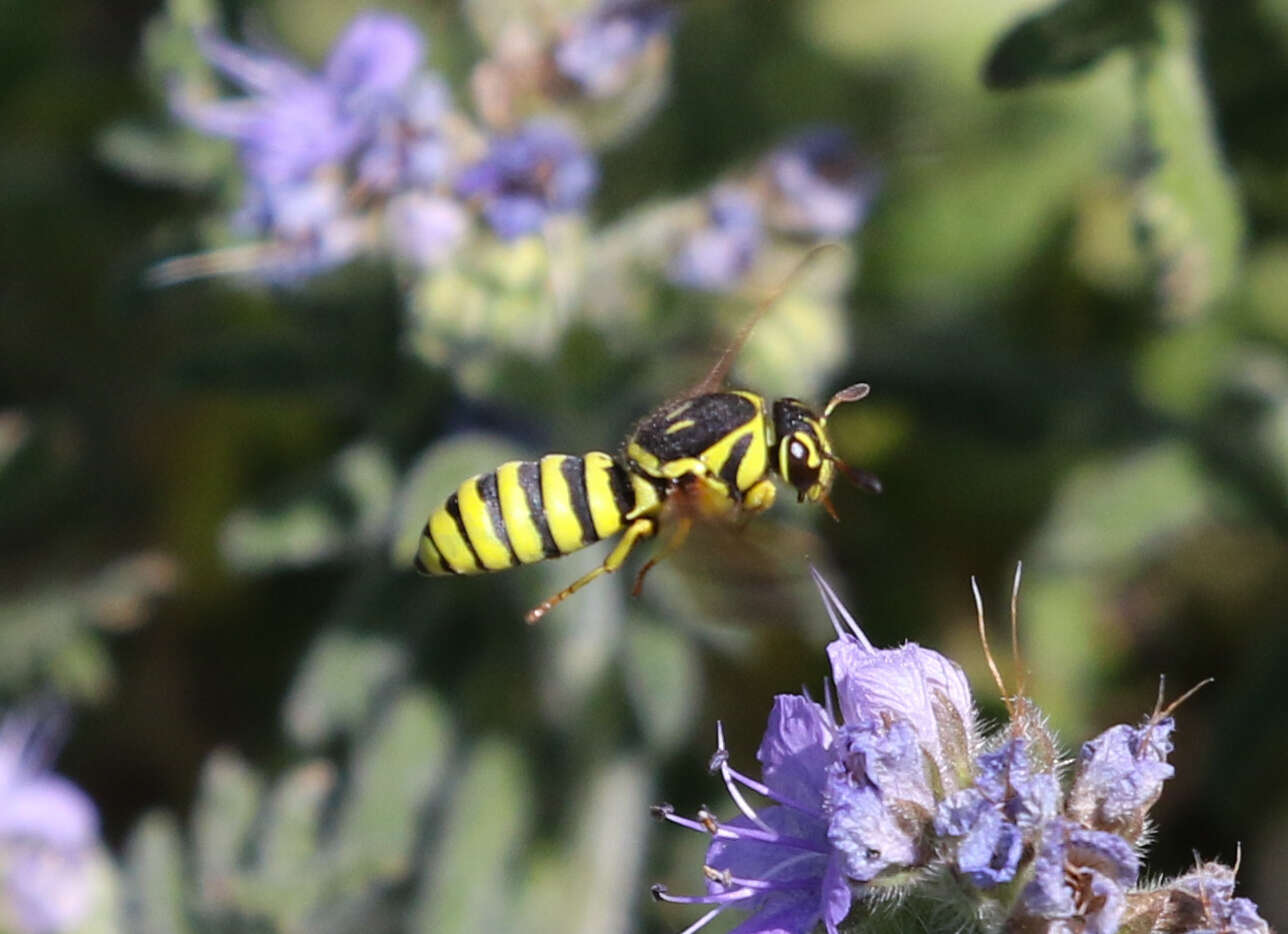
(760, 497)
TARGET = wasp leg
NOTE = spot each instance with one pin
(760, 497)
(673, 543)
(638, 530)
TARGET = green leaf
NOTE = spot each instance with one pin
(341, 515)
(663, 680)
(337, 685)
(287, 884)
(395, 772)
(593, 883)
(163, 157)
(469, 877)
(228, 800)
(154, 878)
(1188, 217)
(1115, 513)
(582, 637)
(608, 848)
(1065, 39)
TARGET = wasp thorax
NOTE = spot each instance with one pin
(804, 455)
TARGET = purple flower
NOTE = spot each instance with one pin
(410, 148)
(716, 255)
(850, 801)
(425, 229)
(525, 177)
(1120, 775)
(776, 863)
(877, 799)
(819, 186)
(918, 686)
(994, 818)
(600, 50)
(1203, 902)
(48, 831)
(301, 136)
(293, 122)
(1080, 876)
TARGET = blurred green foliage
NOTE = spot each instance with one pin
(1071, 299)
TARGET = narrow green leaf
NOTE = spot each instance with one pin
(337, 685)
(1188, 216)
(469, 881)
(608, 849)
(1064, 39)
(395, 772)
(663, 680)
(1111, 512)
(154, 877)
(228, 800)
(287, 879)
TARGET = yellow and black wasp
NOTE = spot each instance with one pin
(711, 454)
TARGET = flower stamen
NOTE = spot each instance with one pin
(721, 761)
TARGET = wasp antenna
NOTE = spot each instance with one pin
(863, 479)
(716, 377)
(848, 394)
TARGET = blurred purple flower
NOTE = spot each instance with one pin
(409, 148)
(601, 48)
(527, 176)
(1080, 877)
(300, 136)
(1119, 776)
(425, 229)
(994, 818)
(850, 800)
(48, 830)
(819, 186)
(718, 254)
(293, 122)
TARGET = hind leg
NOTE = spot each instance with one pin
(672, 544)
(636, 532)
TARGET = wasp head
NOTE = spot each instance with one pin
(804, 455)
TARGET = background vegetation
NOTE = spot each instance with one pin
(1069, 298)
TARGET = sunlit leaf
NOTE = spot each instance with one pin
(154, 883)
(663, 680)
(337, 685)
(227, 803)
(469, 877)
(395, 771)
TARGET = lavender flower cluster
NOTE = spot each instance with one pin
(369, 154)
(814, 185)
(888, 789)
(48, 833)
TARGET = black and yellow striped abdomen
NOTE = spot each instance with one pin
(528, 511)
